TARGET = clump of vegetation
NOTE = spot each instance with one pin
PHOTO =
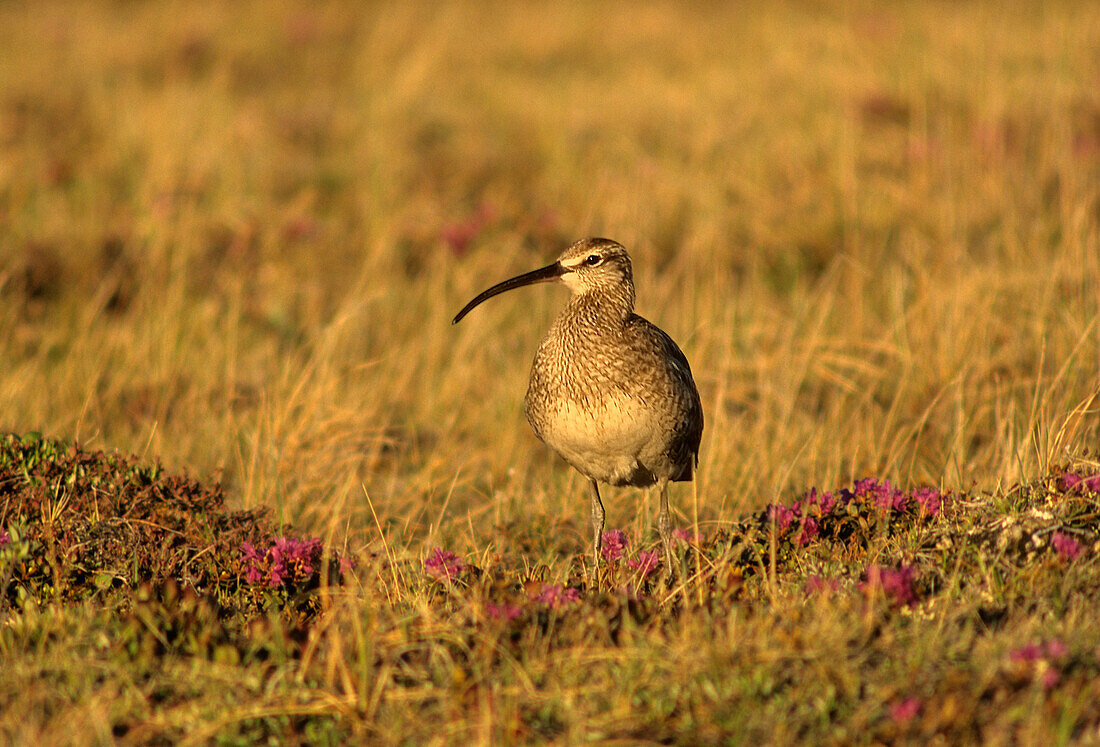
(85, 525)
(877, 538)
(878, 563)
(193, 582)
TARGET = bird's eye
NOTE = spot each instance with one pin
(592, 260)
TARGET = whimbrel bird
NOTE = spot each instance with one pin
(609, 391)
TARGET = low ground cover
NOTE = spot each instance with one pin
(864, 612)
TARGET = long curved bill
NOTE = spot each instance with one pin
(541, 275)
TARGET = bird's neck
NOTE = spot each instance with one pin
(603, 305)
(579, 336)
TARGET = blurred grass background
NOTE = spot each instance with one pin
(232, 235)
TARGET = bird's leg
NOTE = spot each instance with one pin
(664, 527)
(597, 532)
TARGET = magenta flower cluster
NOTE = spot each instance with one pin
(554, 596)
(687, 535)
(505, 612)
(1066, 545)
(1043, 659)
(1033, 652)
(613, 548)
(443, 565)
(888, 497)
(548, 595)
(899, 585)
(646, 562)
(805, 515)
(614, 544)
(289, 560)
(929, 501)
(459, 234)
(5, 538)
(1080, 483)
(905, 710)
(784, 517)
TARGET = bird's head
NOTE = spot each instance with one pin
(587, 266)
(595, 264)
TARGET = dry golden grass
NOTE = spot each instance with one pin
(875, 231)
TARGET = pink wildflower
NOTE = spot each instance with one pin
(686, 535)
(645, 563)
(614, 544)
(1040, 661)
(505, 612)
(1074, 481)
(289, 559)
(443, 565)
(459, 235)
(823, 501)
(899, 586)
(293, 559)
(1028, 654)
(1056, 648)
(5, 538)
(865, 487)
(300, 228)
(904, 710)
(1066, 546)
(930, 501)
(809, 532)
(782, 515)
(252, 573)
(883, 494)
(554, 596)
(887, 497)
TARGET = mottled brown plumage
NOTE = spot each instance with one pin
(609, 391)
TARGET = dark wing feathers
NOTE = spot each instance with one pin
(688, 443)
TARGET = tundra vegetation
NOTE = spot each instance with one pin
(254, 486)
